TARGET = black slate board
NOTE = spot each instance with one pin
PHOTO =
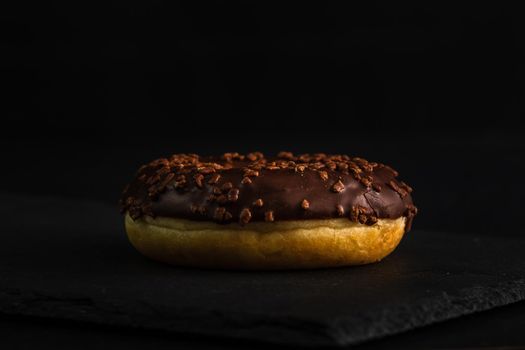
(70, 259)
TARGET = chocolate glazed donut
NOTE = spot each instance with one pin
(252, 212)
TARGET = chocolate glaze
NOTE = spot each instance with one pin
(180, 187)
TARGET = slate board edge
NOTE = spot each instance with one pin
(279, 329)
(407, 316)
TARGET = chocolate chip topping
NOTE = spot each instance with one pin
(305, 204)
(233, 194)
(214, 179)
(219, 213)
(268, 216)
(226, 186)
(198, 180)
(245, 216)
(323, 175)
(222, 189)
(338, 187)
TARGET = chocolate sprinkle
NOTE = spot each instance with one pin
(245, 216)
(222, 199)
(367, 181)
(246, 181)
(286, 155)
(338, 187)
(227, 216)
(214, 179)
(219, 213)
(226, 186)
(198, 180)
(233, 194)
(400, 190)
(223, 188)
(406, 187)
(305, 204)
(250, 172)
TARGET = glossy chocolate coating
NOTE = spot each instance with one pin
(291, 188)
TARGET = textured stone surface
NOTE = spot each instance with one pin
(69, 259)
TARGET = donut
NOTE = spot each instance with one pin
(252, 212)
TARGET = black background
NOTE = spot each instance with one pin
(125, 66)
(92, 91)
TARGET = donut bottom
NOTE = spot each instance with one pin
(302, 244)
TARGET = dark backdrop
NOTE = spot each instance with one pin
(437, 91)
